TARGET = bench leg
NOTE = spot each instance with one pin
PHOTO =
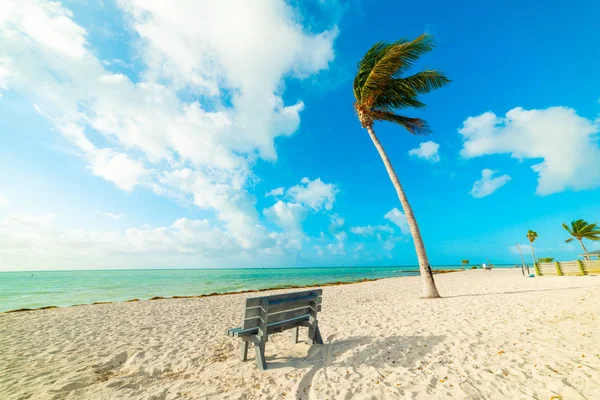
(295, 332)
(314, 334)
(244, 350)
(318, 338)
(260, 356)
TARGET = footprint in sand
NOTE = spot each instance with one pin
(110, 363)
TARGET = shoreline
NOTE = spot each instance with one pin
(281, 287)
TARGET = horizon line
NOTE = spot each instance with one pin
(235, 268)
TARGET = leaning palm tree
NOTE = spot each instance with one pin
(380, 88)
(582, 230)
(531, 235)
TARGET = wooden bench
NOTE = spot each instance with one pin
(272, 314)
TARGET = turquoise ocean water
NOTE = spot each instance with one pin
(64, 288)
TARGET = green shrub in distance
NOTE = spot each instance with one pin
(545, 259)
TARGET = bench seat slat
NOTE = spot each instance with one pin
(274, 327)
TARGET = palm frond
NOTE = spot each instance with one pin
(569, 240)
(380, 89)
(423, 82)
(580, 229)
(391, 62)
(564, 225)
(403, 92)
(389, 101)
(588, 228)
(416, 126)
(365, 66)
(578, 225)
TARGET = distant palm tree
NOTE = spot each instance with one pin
(531, 235)
(582, 230)
(379, 90)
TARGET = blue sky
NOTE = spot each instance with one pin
(138, 134)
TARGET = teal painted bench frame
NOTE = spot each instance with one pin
(266, 315)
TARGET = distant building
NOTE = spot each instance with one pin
(593, 254)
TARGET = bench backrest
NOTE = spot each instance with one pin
(276, 308)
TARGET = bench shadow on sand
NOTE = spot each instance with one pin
(357, 352)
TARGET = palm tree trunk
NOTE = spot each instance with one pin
(587, 255)
(533, 254)
(429, 289)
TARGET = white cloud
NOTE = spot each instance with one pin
(118, 168)
(397, 217)
(315, 194)
(358, 247)
(309, 196)
(27, 239)
(390, 243)
(117, 62)
(288, 216)
(341, 236)
(140, 132)
(4, 201)
(336, 222)
(208, 46)
(24, 222)
(525, 249)
(5, 71)
(427, 151)
(336, 249)
(566, 143)
(276, 192)
(488, 184)
(48, 24)
(540, 251)
(24, 239)
(371, 230)
(332, 249)
(110, 215)
(385, 233)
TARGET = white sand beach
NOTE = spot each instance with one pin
(494, 335)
